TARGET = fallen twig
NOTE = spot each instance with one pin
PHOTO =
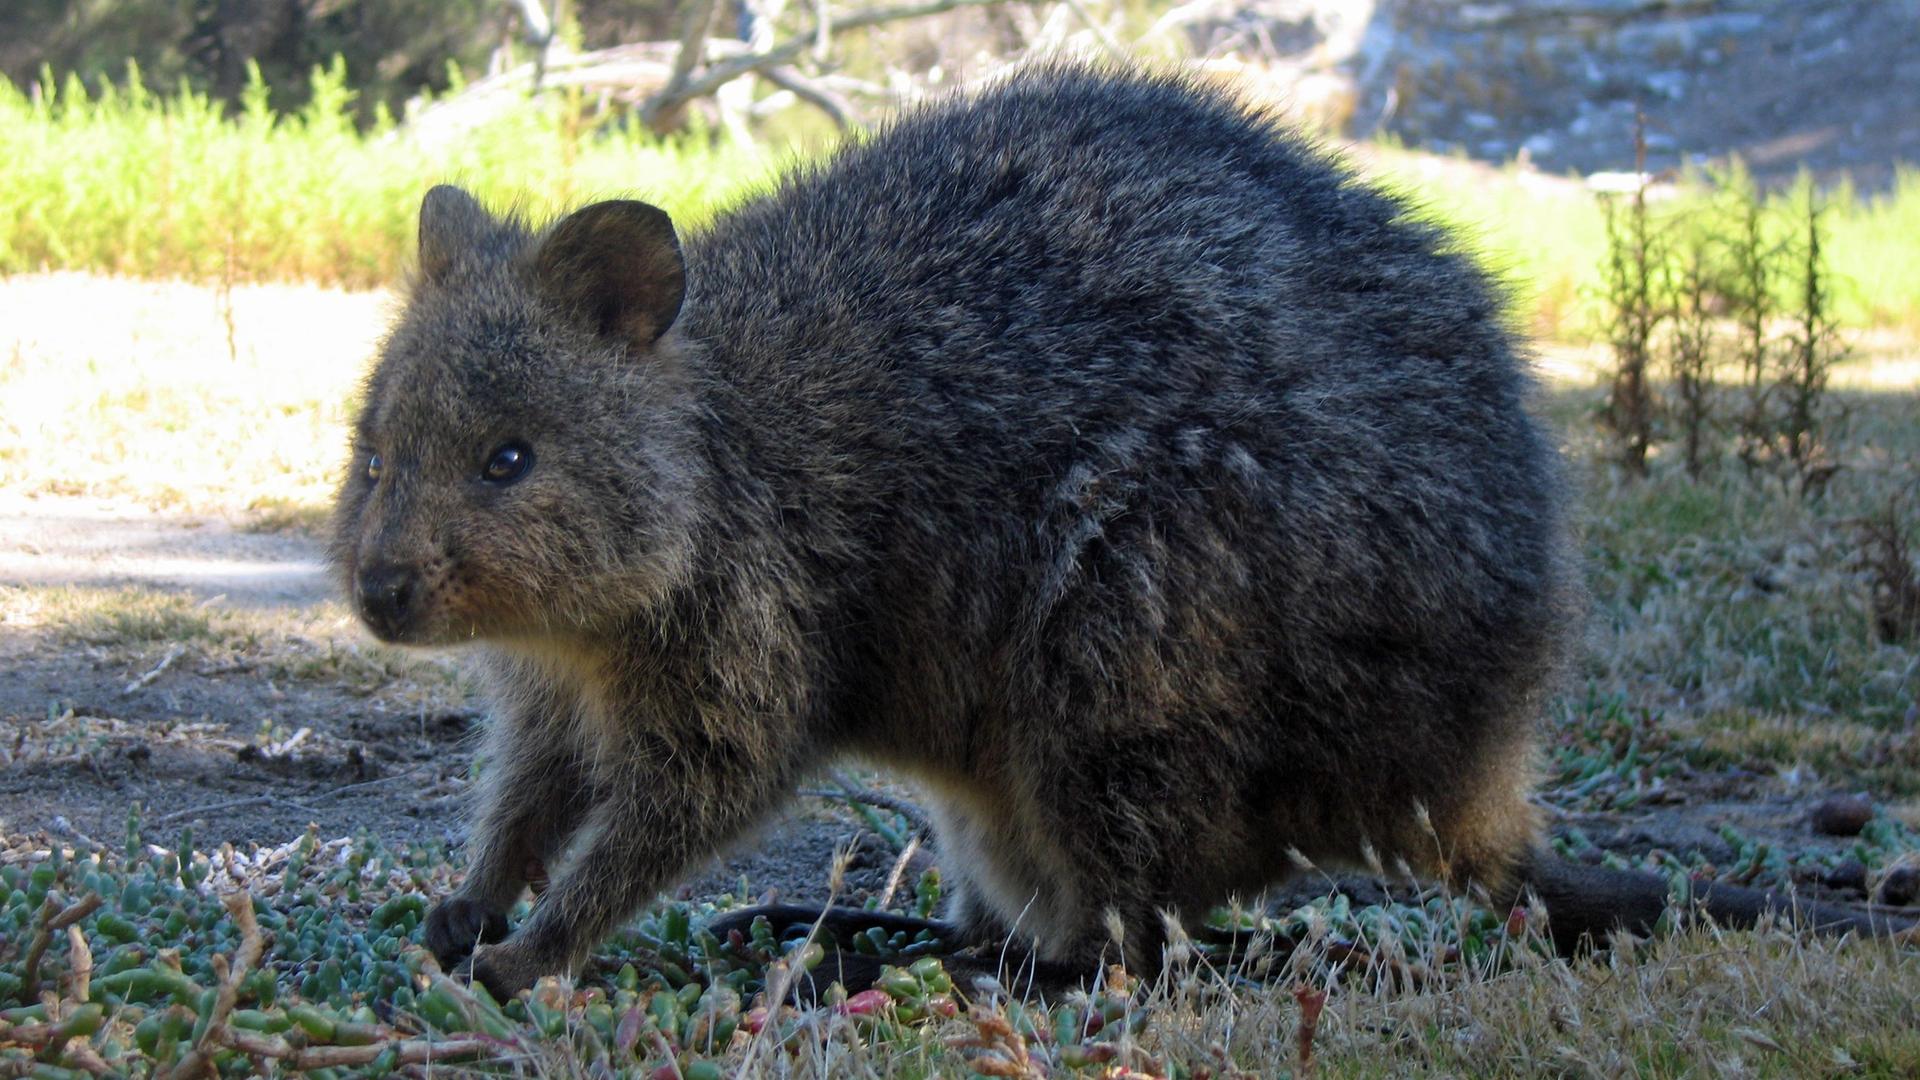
(233, 804)
(252, 943)
(851, 793)
(52, 919)
(406, 1051)
(255, 800)
(165, 663)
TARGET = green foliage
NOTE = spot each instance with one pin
(398, 48)
(1766, 263)
(177, 184)
(309, 956)
(1547, 239)
(131, 182)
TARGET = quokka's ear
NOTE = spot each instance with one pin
(452, 224)
(617, 265)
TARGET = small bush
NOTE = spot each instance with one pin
(1747, 283)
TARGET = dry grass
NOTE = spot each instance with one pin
(1693, 1005)
(132, 628)
(1701, 1004)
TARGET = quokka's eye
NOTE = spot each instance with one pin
(508, 463)
(373, 467)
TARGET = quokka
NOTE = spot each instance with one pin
(1091, 450)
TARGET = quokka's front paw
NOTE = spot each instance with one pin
(509, 968)
(457, 924)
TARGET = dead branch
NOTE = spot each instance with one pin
(663, 111)
(852, 793)
(406, 1052)
(252, 944)
(233, 804)
(837, 108)
(52, 919)
(724, 72)
(166, 662)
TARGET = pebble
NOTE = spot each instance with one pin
(1900, 887)
(1842, 815)
(1850, 875)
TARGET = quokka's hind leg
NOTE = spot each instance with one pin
(1477, 840)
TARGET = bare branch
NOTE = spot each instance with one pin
(52, 919)
(837, 108)
(1106, 40)
(662, 112)
(850, 793)
(720, 74)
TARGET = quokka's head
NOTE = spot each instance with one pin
(522, 462)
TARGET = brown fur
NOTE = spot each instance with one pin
(1092, 451)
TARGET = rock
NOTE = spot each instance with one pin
(1849, 876)
(1714, 76)
(1900, 887)
(1842, 815)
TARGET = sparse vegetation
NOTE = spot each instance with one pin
(1889, 554)
(1693, 352)
(1664, 276)
(135, 628)
(136, 958)
(1813, 345)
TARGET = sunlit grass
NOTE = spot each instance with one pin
(129, 181)
(130, 628)
(1546, 236)
(132, 182)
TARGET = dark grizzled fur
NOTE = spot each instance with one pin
(1090, 450)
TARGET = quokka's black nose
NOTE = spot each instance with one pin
(386, 598)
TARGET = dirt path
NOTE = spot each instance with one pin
(104, 543)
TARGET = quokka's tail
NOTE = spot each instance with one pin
(1587, 903)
